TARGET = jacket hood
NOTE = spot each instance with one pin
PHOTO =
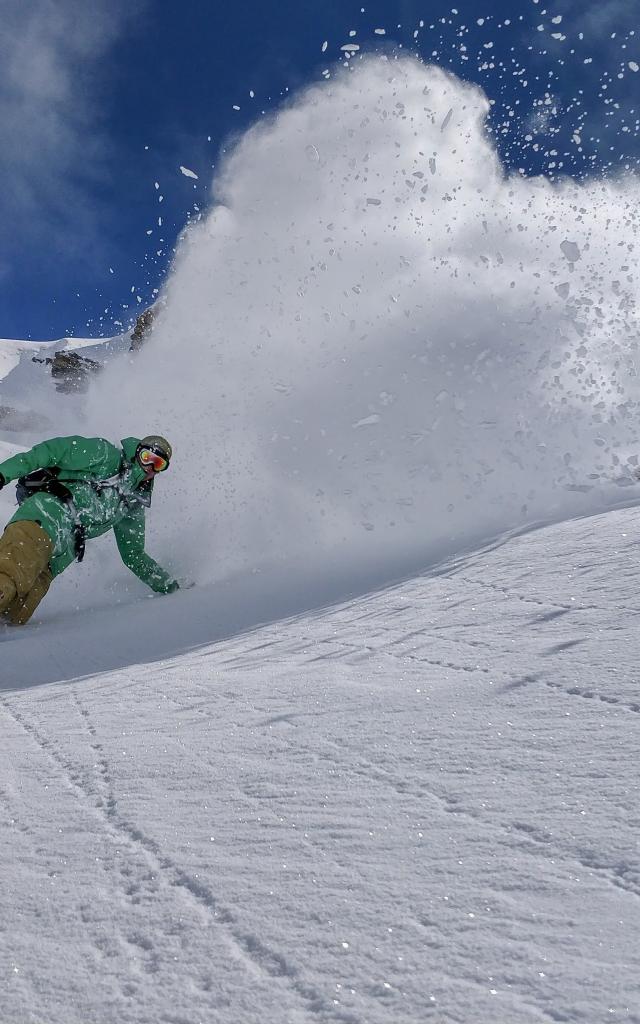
(129, 445)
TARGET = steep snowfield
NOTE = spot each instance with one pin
(419, 804)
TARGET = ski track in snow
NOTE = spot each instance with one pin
(147, 873)
(401, 807)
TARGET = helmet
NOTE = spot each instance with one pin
(154, 443)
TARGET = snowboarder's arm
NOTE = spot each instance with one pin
(72, 453)
(129, 534)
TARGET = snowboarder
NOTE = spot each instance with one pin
(71, 489)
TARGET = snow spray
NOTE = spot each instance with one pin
(378, 343)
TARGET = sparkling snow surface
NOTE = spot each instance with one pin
(420, 804)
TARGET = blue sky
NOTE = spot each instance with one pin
(102, 103)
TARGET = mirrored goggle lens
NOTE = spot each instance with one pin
(151, 460)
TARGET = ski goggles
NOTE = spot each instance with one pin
(149, 459)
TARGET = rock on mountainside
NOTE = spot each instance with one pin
(31, 372)
(28, 394)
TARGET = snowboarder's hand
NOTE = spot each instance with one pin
(179, 584)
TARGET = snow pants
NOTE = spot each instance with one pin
(25, 576)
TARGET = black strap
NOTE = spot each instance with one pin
(47, 480)
(79, 540)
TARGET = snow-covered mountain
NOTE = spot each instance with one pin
(29, 395)
(12, 351)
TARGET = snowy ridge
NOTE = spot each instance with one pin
(395, 808)
(30, 406)
(11, 350)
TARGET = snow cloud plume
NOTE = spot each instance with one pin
(378, 344)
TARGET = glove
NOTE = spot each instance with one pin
(180, 584)
(2, 481)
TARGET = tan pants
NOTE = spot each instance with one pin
(25, 577)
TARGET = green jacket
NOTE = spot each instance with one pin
(84, 462)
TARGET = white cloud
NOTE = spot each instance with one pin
(51, 72)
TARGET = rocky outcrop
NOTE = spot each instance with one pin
(70, 371)
(143, 328)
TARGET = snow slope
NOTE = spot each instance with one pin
(419, 804)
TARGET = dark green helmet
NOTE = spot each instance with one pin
(157, 444)
(153, 445)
